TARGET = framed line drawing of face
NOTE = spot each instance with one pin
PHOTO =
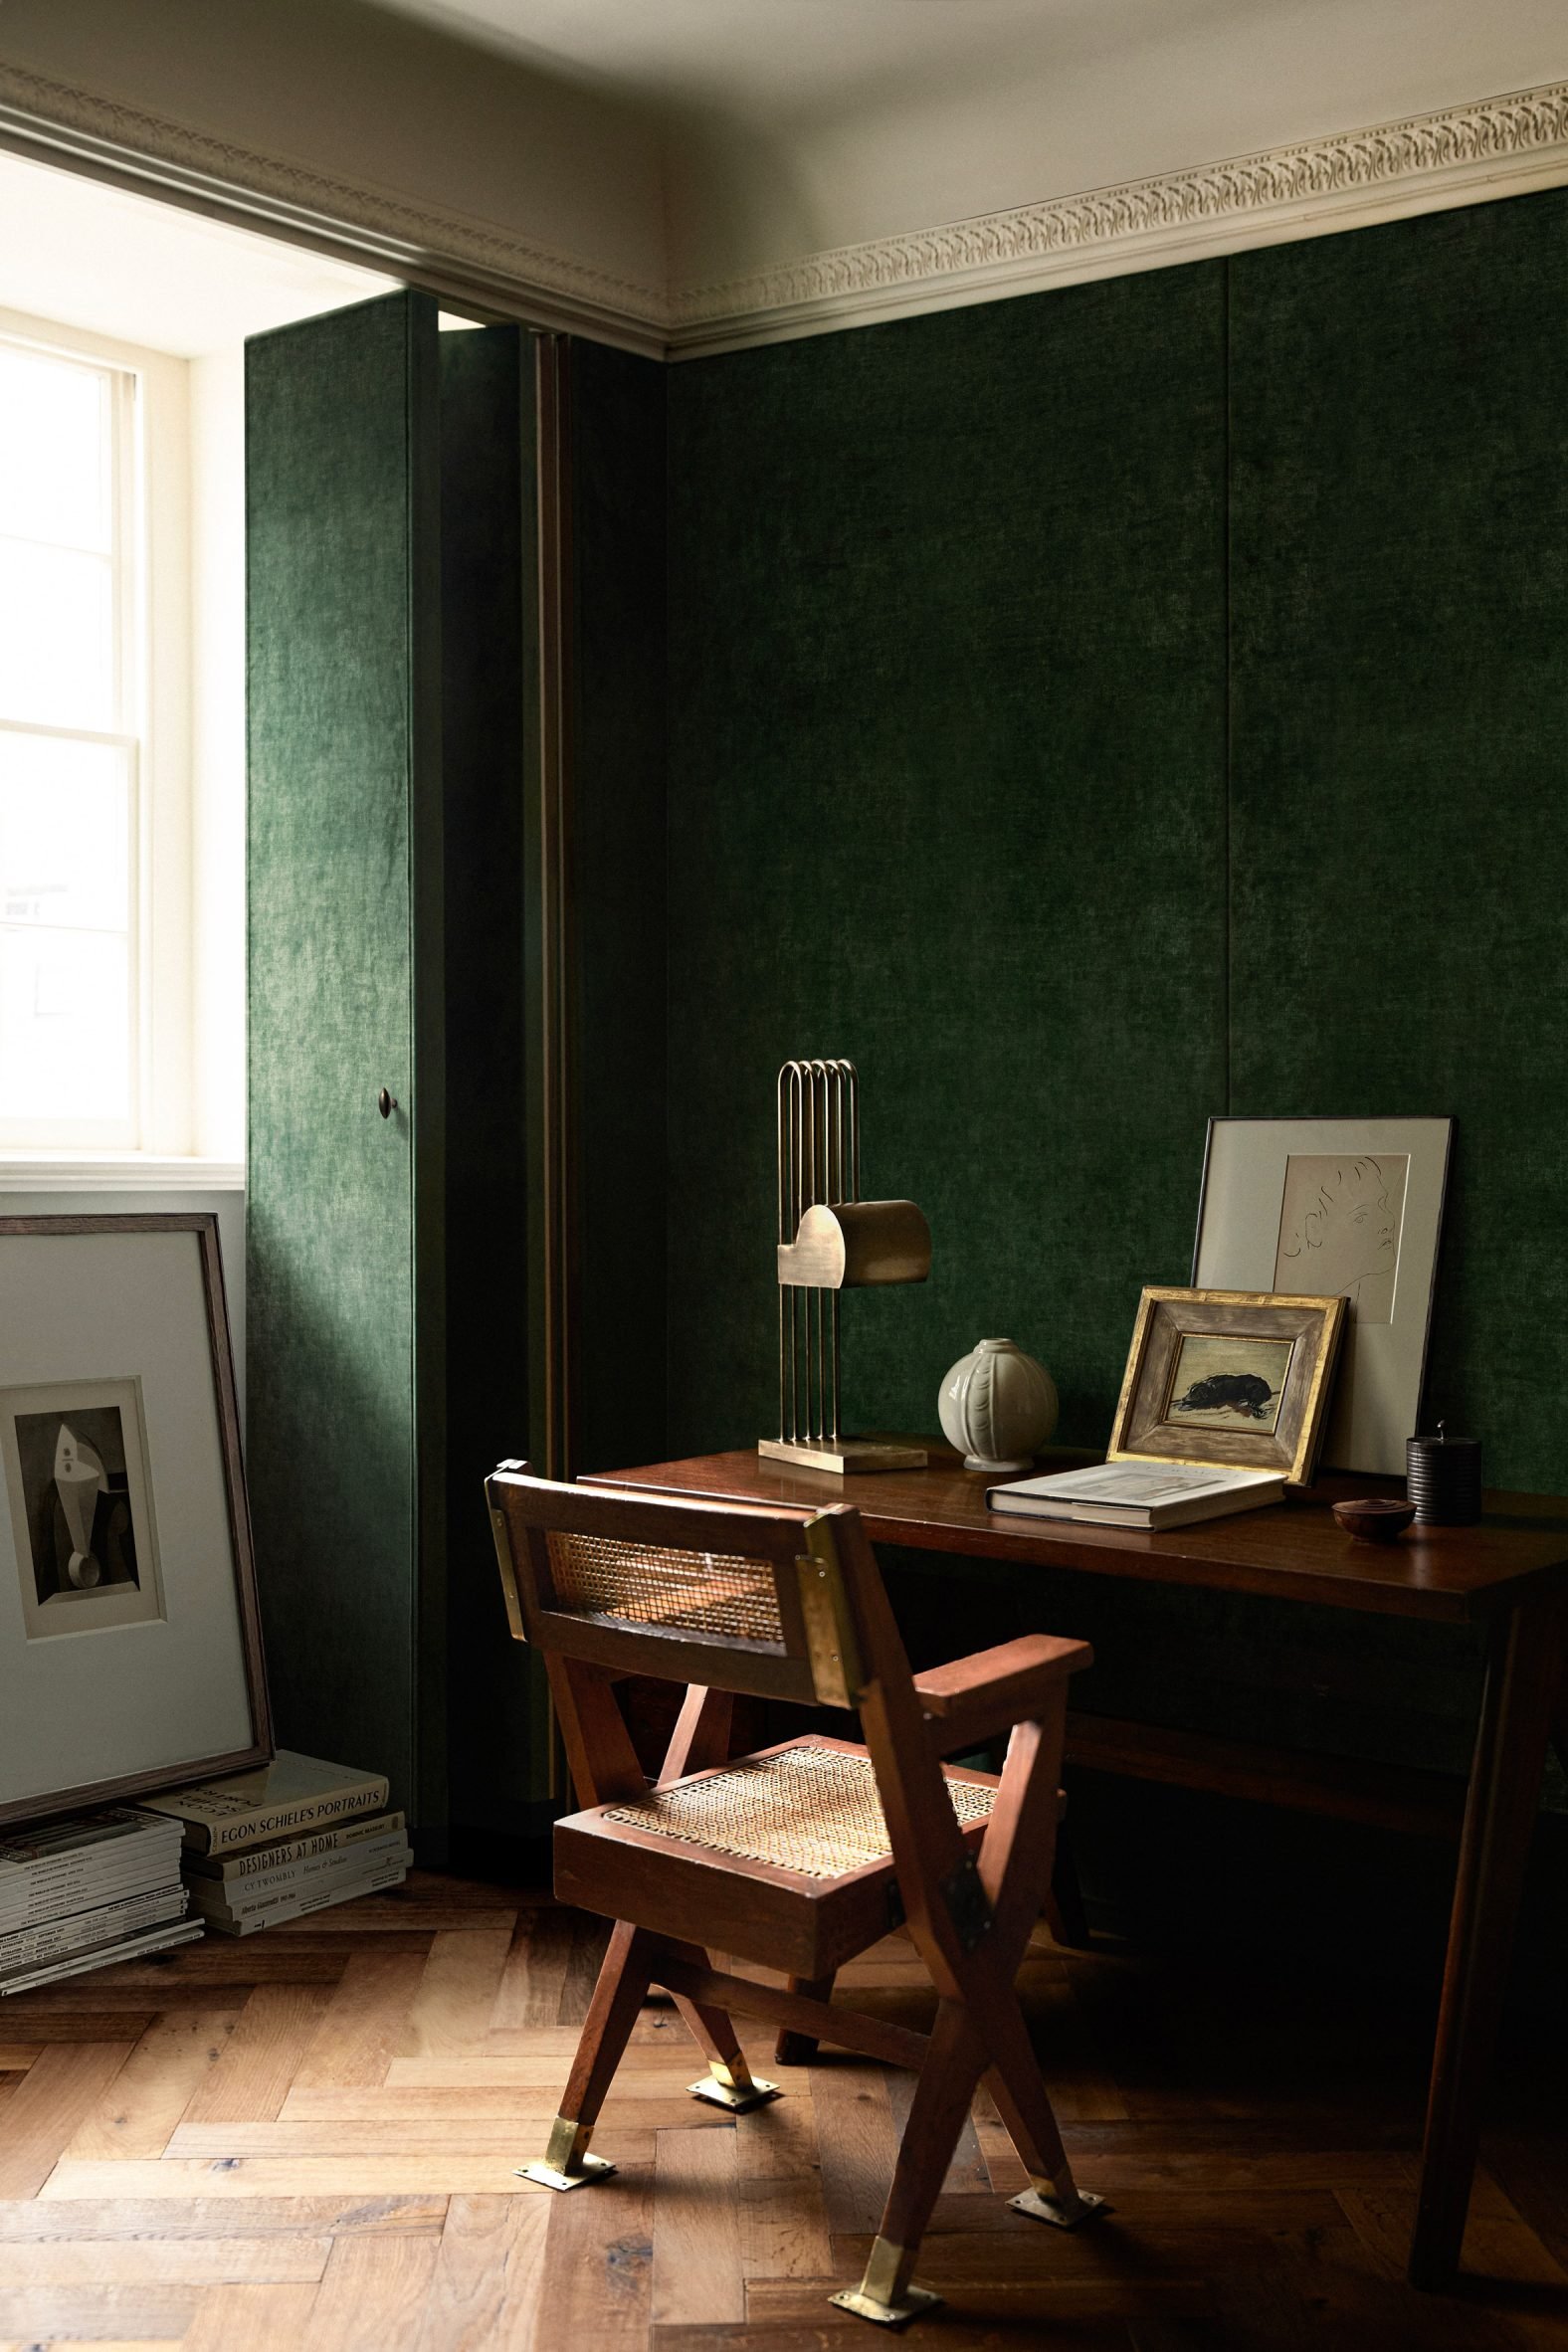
(1350, 1207)
(130, 1646)
(1341, 1223)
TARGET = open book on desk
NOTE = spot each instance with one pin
(1150, 1495)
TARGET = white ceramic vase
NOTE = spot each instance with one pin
(998, 1406)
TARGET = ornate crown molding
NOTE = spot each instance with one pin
(1495, 147)
(1498, 147)
(449, 252)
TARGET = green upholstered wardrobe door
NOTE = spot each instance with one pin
(344, 880)
(1399, 594)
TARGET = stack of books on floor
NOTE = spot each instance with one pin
(85, 1892)
(293, 1836)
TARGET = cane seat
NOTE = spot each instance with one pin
(799, 1830)
(810, 1807)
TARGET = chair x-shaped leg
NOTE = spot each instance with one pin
(979, 2034)
(972, 1928)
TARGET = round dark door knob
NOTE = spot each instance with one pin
(386, 1103)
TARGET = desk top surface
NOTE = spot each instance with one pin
(1288, 1551)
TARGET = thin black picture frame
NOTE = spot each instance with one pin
(1282, 1118)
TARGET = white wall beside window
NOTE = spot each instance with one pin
(218, 747)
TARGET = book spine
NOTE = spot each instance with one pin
(62, 1897)
(222, 1833)
(234, 1897)
(86, 1840)
(28, 1946)
(134, 1947)
(22, 1878)
(259, 1860)
(335, 1887)
(345, 1891)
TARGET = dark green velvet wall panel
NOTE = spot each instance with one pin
(1399, 567)
(1094, 712)
(617, 471)
(498, 1729)
(341, 589)
(947, 796)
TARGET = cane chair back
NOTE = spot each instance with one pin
(732, 1596)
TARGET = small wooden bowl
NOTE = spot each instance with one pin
(1379, 1519)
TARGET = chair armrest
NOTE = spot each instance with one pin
(1032, 1657)
(973, 1697)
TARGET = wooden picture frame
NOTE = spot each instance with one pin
(119, 1436)
(1242, 1377)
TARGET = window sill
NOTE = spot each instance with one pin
(85, 1171)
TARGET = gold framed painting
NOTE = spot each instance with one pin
(1243, 1377)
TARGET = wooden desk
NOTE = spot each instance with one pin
(1509, 1575)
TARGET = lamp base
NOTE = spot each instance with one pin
(841, 1456)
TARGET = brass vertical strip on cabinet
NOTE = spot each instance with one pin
(555, 1159)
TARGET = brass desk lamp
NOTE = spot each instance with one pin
(830, 1239)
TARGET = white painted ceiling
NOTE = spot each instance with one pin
(798, 58)
(796, 126)
(122, 265)
(775, 56)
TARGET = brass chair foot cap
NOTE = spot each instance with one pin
(735, 2102)
(917, 2299)
(1040, 2207)
(594, 2168)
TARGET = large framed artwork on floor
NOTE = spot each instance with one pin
(130, 1646)
(1353, 1207)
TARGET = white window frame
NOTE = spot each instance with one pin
(152, 562)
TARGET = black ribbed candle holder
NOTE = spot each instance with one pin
(1443, 1477)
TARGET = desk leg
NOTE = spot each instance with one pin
(1065, 1912)
(1499, 1816)
(1560, 1715)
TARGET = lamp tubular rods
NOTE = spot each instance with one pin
(819, 1165)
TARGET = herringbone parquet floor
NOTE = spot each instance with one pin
(305, 2142)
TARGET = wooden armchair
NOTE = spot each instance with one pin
(805, 1853)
